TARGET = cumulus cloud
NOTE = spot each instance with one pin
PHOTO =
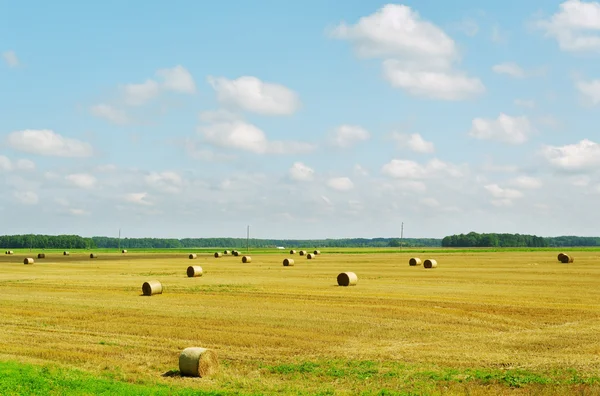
(248, 137)
(137, 198)
(170, 182)
(509, 68)
(346, 136)
(576, 26)
(502, 196)
(301, 172)
(177, 79)
(10, 58)
(590, 90)
(414, 142)
(81, 180)
(109, 113)
(583, 156)
(139, 94)
(47, 142)
(340, 183)
(251, 94)
(526, 182)
(506, 129)
(6, 164)
(407, 169)
(418, 55)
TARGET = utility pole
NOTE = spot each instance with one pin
(248, 240)
(401, 235)
(119, 239)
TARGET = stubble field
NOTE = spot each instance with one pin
(480, 323)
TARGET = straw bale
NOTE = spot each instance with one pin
(316, 252)
(65, 253)
(194, 271)
(193, 256)
(93, 255)
(430, 263)
(28, 260)
(302, 252)
(152, 287)
(347, 279)
(310, 256)
(414, 261)
(292, 251)
(198, 362)
(246, 259)
(218, 254)
(288, 262)
(41, 255)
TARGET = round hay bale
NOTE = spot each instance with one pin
(347, 279)
(246, 259)
(560, 256)
(28, 260)
(302, 252)
(194, 271)
(218, 254)
(41, 255)
(193, 256)
(152, 287)
(566, 259)
(65, 253)
(310, 256)
(316, 252)
(414, 261)
(430, 263)
(198, 362)
(292, 251)
(236, 253)
(93, 255)
(226, 252)
(124, 251)
(288, 262)
(10, 252)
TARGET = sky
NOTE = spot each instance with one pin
(313, 119)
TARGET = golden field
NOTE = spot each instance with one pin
(291, 329)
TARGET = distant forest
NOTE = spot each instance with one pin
(471, 239)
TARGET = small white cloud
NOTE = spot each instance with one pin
(346, 136)
(109, 113)
(510, 69)
(251, 94)
(5, 164)
(590, 90)
(576, 26)
(177, 79)
(340, 183)
(78, 212)
(583, 156)
(406, 169)
(47, 142)
(301, 172)
(26, 197)
(81, 180)
(25, 164)
(530, 104)
(360, 170)
(414, 142)
(503, 193)
(139, 94)
(170, 182)
(137, 198)
(506, 129)
(527, 182)
(10, 58)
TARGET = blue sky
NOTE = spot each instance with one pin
(305, 120)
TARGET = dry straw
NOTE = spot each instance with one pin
(124, 251)
(41, 255)
(430, 263)
(65, 253)
(226, 252)
(93, 255)
(310, 256)
(560, 256)
(302, 252)
(347, 279)
(292, 251)
(28, 260)
(246, 259)
(192, 256)
(198, 362)
(218, 254)
(414, 261)
(565, 259)
(152, 287)
(288, 262)
(194, 271)
(317, 252)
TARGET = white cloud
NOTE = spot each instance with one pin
(576, 26)
(219, 115)
(590, 91)
(526, 182)
(348, 135)
(510, 69)
(525, 103)
(506, 129)
(25, 164)
(177, 79)
(244, 136)
(360, 170)
(407, 169)
(26, 197)
(251, 94)
(78, 212)
(137, 198)
(414, 142)
(139, 94)
(10, 58)
(340, 183)
(503, 193)
(109, 113)
(170, 182)
(301, 172)
(582, 156)
(47, 142)
(5, 163)
(418, 54)
(82, 180)
(436, 84)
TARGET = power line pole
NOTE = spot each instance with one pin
(248, 240)
(119, 238)
(401, 235)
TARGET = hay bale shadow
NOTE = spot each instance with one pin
(172, 373)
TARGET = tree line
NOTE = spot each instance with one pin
(473, 239)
